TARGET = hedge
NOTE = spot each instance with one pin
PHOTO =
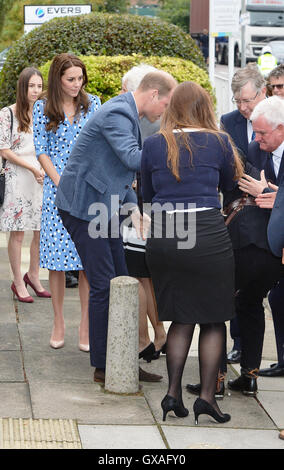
(105, 73)
(95, 34)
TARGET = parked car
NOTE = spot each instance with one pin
(277, 48)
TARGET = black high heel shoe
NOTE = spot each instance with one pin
(202, 407)
(170, 403)
(163, 350)
(147, 353)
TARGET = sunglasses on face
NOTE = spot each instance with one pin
(279, 86)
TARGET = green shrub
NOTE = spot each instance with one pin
(95, 34)
(105, 73)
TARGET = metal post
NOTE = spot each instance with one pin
(243, 37)
(231, 54)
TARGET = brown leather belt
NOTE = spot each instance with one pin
(232, 209)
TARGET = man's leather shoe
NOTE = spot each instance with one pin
(147, 377)
(234, 356)
(246, 383)
(99, 376)
(273, 371)
(220, 388)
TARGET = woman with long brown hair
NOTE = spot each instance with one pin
(58, 120)
(189, 253)
(21, 210)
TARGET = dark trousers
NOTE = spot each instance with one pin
(235, 334)
(102, 259)
(257, 271)
(276, 302)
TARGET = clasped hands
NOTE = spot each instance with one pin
(255, 187)
(39, 175)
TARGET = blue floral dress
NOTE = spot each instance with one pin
(57, 250)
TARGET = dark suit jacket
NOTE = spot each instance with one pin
(249, 226)
(263, 161)
(276, 223)
(236, 125)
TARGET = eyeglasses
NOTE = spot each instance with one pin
(279, 86)
(238, 102)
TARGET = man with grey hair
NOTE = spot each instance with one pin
(248, 87)
(266, 153)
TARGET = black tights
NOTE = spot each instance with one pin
(210, 349)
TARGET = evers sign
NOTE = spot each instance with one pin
(38, 14)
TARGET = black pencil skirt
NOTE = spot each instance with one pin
(191, 262)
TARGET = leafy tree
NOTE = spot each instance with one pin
(176, 12)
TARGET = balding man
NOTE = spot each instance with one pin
(265, 153)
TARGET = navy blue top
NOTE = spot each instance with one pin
(212, 169)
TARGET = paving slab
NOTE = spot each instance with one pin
(273, 401)
(36, 336)
(220, 438)
(9, 337)
(120, 437)
(58, 366)
(88, 404)
(15, 400)
(11, 367)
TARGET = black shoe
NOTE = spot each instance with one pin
(70, 280)
(148, 353)
(202, 407)
(156, 354)
(195, 389)
(246, 383)
(275, 370)
(172, 404)
(234, 356)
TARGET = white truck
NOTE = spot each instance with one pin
(265, 22)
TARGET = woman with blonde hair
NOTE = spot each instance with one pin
(189, 252)
(58, 120)
(21, 210)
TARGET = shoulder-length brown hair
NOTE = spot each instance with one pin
(190, 107)
(22, 104)
(54, 100)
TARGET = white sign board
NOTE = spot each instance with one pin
(39, 14)
(224, 16)
(266, 2)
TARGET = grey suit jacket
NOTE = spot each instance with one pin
(103, 162)
(275, 230)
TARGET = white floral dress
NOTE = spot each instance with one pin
(21, 209)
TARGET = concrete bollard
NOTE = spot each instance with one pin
(122, 342)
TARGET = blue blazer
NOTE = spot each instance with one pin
(236, 125)
(275, 230)
(103, 162)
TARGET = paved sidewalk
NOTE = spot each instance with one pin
(49, 399)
